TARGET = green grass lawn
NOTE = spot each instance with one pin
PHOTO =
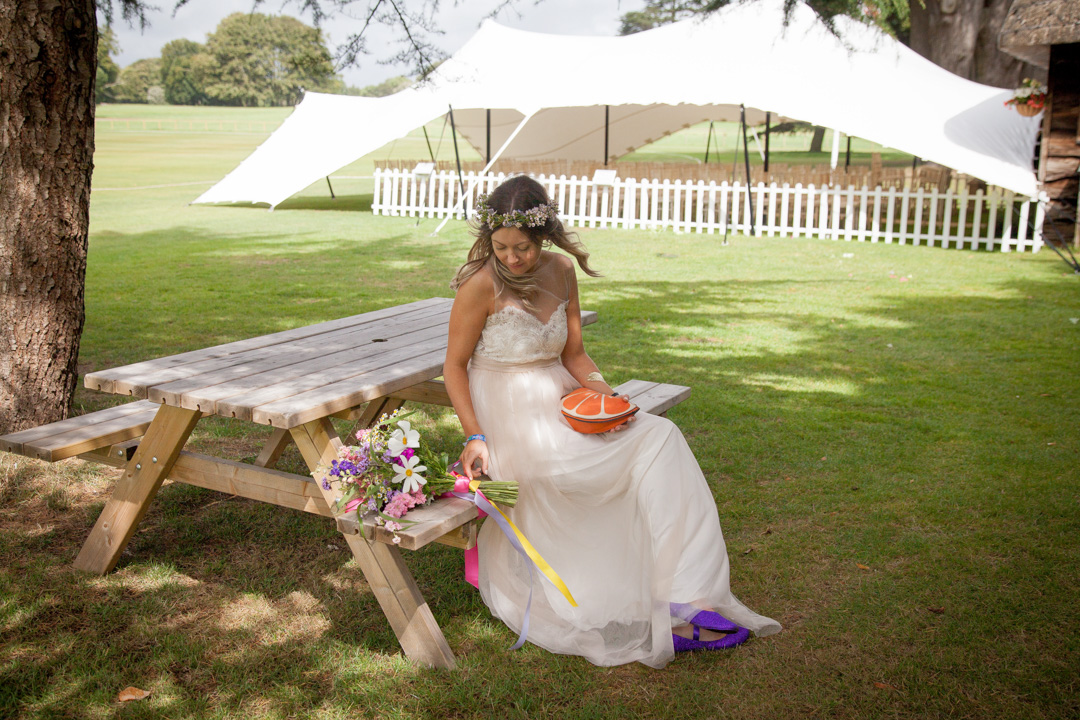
(889, 433)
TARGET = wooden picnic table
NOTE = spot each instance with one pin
(296, 381)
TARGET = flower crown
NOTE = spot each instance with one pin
(533, 217)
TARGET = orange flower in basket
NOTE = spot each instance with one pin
(589, 411)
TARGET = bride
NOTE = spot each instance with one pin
(626, 517)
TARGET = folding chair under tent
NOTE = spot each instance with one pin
(601, 97)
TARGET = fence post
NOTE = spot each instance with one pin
(1021, 231)
(961, 218)
(917, 230)
(946, 219)
(711, 224)
(1040, 217)
(890, 214)
(699, 206)
(724, 192)
(798, 227)
(931, 225)
(864, 202)
(976, 220)
(376, 200)
(875, 219)
(630, 203)
(1007, 230)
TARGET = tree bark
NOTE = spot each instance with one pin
(962, 35)
(47, 65)
(818, 139)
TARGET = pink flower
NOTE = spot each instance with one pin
(403, 502)
(393, 526)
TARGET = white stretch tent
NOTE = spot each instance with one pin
(651, 84)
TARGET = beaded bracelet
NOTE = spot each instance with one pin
(477, 436)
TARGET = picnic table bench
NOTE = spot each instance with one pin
(354, 368)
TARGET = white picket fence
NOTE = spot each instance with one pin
(996, 219)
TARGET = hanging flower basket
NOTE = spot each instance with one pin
(1029, 98)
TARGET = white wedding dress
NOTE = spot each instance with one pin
(626, 518)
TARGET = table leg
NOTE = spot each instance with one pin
(276, 445)
(386, 573)
(136, 488)
(376, 409)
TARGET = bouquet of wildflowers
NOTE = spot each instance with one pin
(390, 471)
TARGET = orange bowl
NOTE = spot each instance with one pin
(589, 411)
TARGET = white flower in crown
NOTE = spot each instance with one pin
(404, 437)
(409, 475)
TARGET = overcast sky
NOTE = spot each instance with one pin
(459, 21)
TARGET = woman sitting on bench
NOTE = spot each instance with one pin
(625, 517)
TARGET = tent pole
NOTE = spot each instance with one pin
(428, 141)
(746, 160)
(487, 153)
(734, 167)
(457, 157)
(735, 162)
(847, 155)
(607, 117)
(708, 142)
(835, 149)
(768, 119)
(332, 195)
(483, 172)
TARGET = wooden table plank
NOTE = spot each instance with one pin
(429, 523)
(102, 434)
(661, 398)
(249, 481)
(367, 369)
(169, 385)
(108, 380)
(400, 372)
(205, 391)
(14, 441)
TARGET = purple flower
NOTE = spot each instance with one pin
(325, 484)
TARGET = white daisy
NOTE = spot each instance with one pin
(409, 475)
(402, 438)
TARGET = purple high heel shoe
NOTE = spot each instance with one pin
(710, 620)
(730, 640)
(706, 619)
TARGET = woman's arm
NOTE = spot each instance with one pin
(467, 317)
(574, 357)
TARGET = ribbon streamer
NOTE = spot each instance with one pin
(524, 548)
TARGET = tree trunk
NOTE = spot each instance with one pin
(962, 35)
(818, 139)
(47, 62)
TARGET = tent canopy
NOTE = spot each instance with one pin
(653, 83)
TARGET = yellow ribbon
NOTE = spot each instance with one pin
(533, 554)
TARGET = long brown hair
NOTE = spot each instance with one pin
(519, 193)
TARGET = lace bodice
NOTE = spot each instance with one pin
(516, 334)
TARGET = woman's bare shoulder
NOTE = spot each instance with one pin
(563, 262)
(480, 286)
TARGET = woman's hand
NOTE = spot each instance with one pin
(474, 450)
(632, 418)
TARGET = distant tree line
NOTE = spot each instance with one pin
(250, 60)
